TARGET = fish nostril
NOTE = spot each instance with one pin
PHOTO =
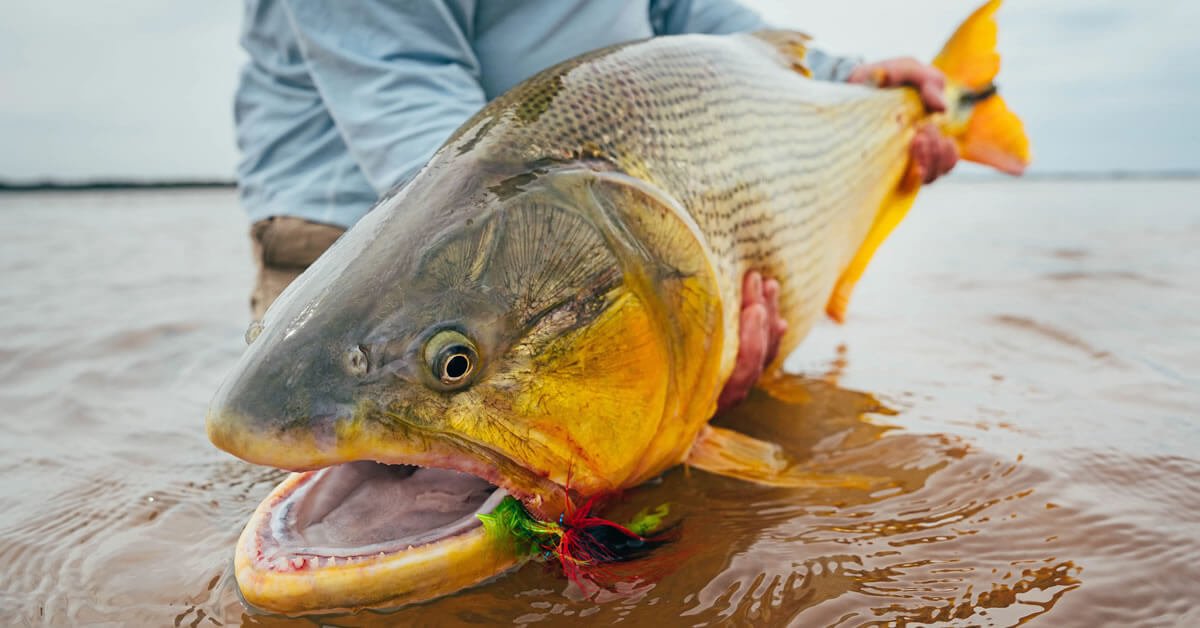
(355, 361)
(253, 331)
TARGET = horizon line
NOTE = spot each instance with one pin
(52, 185)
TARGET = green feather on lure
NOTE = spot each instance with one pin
(579, 541)
(510, 520)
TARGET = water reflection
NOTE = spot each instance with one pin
(759, 555)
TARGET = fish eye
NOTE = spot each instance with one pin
(451, 357)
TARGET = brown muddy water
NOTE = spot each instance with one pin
(1022, 361)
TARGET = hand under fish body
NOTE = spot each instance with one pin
(549, 310)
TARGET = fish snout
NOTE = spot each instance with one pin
(298, 444)
(284, 414)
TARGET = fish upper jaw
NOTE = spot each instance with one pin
(311, 449)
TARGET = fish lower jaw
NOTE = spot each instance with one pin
(366, 534)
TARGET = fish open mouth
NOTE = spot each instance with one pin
(366, 509)
(375, 520)
(364, 534)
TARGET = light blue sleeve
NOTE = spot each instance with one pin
(712, 17)
(722, 17)
(827, 67)
(397, 77)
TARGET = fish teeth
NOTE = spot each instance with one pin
(298, 562)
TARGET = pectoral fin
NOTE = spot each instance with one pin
(732, 454)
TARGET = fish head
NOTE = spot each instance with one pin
(547, 335)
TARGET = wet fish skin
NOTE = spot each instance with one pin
(744, 163)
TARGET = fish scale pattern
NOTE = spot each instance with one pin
(782, 173)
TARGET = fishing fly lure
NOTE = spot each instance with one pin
(580, 541)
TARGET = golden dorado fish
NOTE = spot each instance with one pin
(549, 309)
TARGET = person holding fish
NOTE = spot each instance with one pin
(340, 103)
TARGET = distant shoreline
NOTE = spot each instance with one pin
(205, 184)
(1114, 175)
(115, 184)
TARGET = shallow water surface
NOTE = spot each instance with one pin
(1021, 363)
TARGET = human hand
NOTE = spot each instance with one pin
(760, 331)
(933, 154)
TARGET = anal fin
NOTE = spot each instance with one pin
(891, 212)
(736, 455)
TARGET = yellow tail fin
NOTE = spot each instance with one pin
(985, 130)
(980, 123)
(969, 57)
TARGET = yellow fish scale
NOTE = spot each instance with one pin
(782, 173)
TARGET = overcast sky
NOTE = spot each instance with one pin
(142, 88)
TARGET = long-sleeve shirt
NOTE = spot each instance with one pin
(341, 101)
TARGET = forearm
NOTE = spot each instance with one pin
(827, 67)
